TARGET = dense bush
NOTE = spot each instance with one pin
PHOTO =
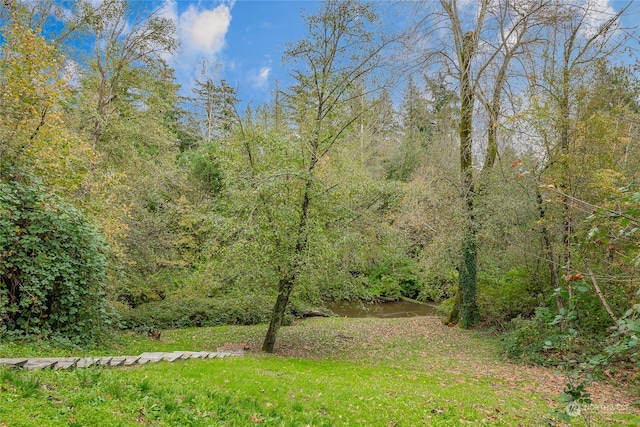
(525, 339)
(344, 286)
(52, 266)
(196, 311)
(541, 340)
(396, 276)
(591, 316)
(439, 286)
(503, 299)
(206, 169)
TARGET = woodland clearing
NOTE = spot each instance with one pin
(325, 371)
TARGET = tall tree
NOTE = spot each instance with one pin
(126, 41)
(576, 36)
(516, 24)
(33, 130)
(125, 79)
(215, 103)
(466, 45)
(486, 40)
(338, 52)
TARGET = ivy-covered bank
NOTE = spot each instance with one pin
(52, 266)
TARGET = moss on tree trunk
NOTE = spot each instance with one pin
(465, 309)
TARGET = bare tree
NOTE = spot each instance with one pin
(486, 46)
(214, 103)
(516, 25)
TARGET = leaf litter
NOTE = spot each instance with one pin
(426, 344)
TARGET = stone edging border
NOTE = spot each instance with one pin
(33, 363)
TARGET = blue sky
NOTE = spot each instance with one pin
(247, 38)
(244, 38)
(243, 41)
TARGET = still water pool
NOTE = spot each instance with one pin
(385, 310)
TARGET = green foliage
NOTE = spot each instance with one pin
(33, 132)
(52, 265)
(406, 160)
(546, 341)
(206, 169)
(624, 342)
(439, 285)
(343, 286)
(592, 318)
(530, 340)
(385, 286)
(574, 401)
(201, 203)
(469, 312)
(198, 311)
(154, 287)
(503, 299)
(395, 277)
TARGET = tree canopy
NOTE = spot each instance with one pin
(481, 157)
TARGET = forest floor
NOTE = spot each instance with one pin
(336, 371)
(423, 344)
(426, 343)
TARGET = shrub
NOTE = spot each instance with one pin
(193, 311)
(510, 296)
(528, 339)
(395, 277)
(541, 340)
(344, 286)
(385, 286)
(52, 265)
(439, 286)
(446, 306)
(207, 170)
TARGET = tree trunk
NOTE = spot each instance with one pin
(469, 314)
(565, 180)
(493, 109)
(548, 250)
(289, 279)
(277, 316)
(603, 300)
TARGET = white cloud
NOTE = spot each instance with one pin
(169, 9)
(202, 33)
(260, 80)
(264, 72)
(599, 12)
(205, 30)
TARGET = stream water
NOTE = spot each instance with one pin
(387, 309)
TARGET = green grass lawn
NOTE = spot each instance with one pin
(327, 372)
(258, 390)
